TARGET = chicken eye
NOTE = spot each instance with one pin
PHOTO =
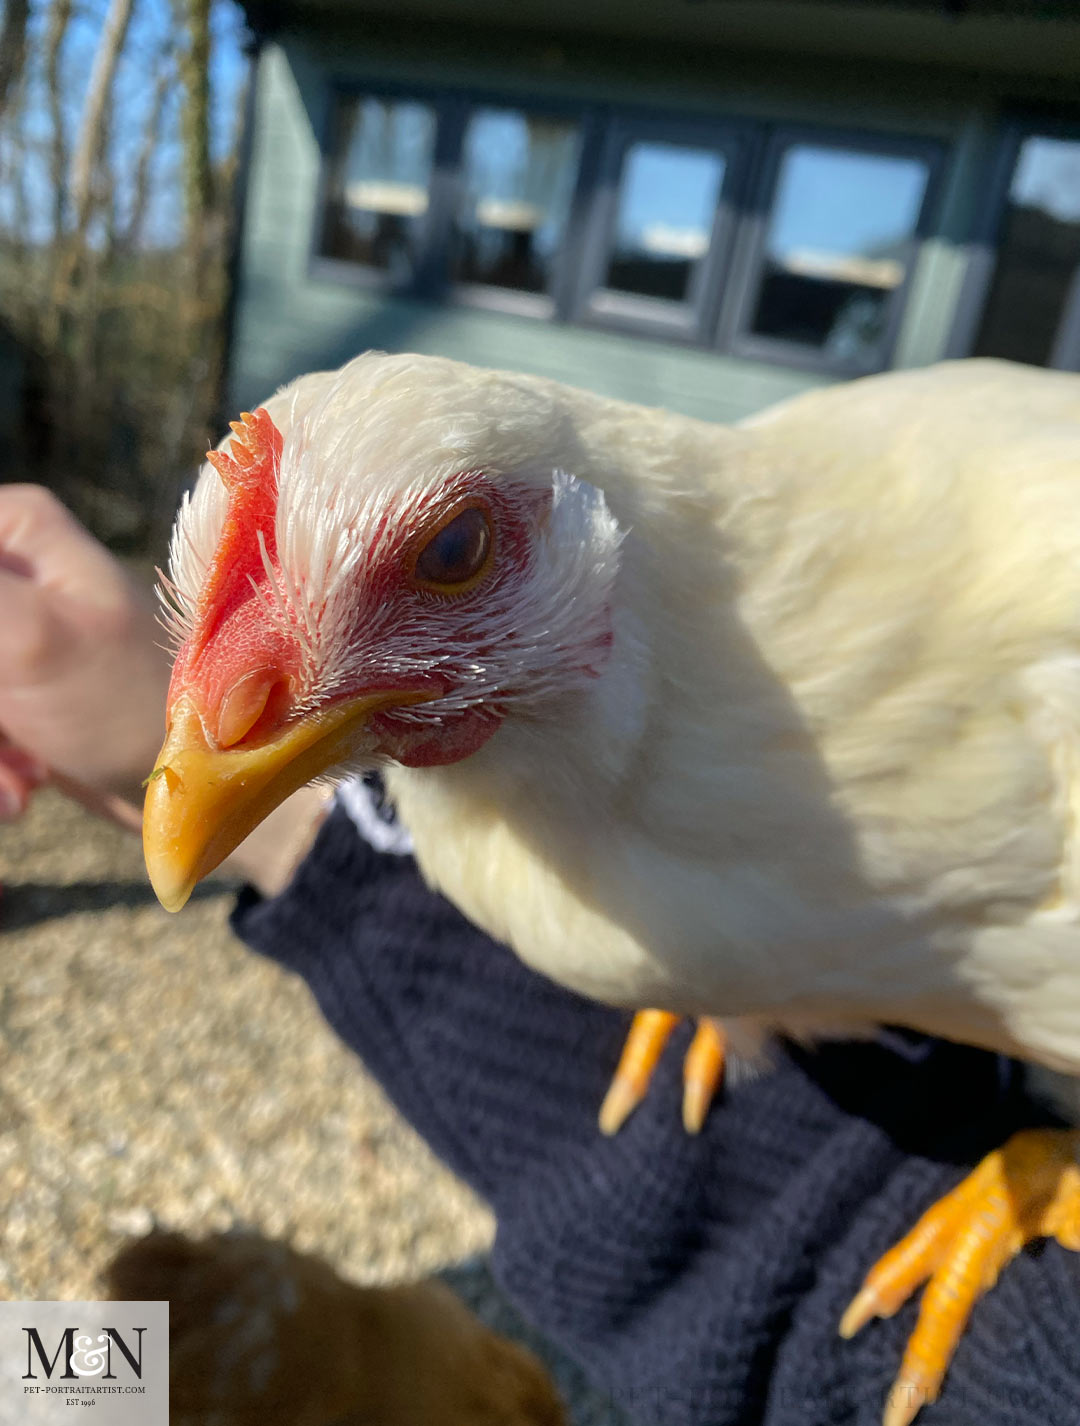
(458, 552)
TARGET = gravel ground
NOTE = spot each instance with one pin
(154, 1071)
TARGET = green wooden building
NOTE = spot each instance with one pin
(702, 204)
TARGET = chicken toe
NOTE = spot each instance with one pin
(703, 1069)
(1029, 1188)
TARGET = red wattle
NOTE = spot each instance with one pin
(439, 744)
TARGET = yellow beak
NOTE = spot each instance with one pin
(201, 802)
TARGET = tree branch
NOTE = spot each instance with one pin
(59, 17)
(88, 147)
(12, 47)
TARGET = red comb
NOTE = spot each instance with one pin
(249, 473)
(256, 444)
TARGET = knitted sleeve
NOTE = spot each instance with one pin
(699, 1280)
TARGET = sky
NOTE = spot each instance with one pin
(1048, 176)
(152, 26)
(851, 204)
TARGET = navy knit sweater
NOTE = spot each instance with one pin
(699, 1280)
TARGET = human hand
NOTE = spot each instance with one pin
(82, 681)
(83, 684)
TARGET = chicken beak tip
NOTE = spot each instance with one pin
(201, 801)
(172, 898)
(170, 863)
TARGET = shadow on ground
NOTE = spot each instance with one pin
(29, 903)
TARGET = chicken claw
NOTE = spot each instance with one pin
(703, 1069)
(1029, 1188)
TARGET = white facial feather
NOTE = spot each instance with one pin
(366, 461)
(522, 645)
(195, 535)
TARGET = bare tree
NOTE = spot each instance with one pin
(91, 139)
(140, 185)
(59, 18)
(205, 226)
(72, 253)
(195, 120)
(121, 338)
(12, 47)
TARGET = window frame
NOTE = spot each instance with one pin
(978, 280)
(553, 304)
(717, 319)
(694, 320)
(337, 269)
(736, 335)
(432, 279)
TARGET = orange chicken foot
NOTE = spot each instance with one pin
(703, 1069)
(1029, 1188)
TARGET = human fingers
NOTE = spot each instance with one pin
(20, 774)
(43, 544)
(15, 794)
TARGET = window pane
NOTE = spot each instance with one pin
(835, 248)
(667, 203)
(518, 172)
(1039, 253)
(378, 198)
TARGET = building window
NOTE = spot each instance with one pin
(663, 220)
(518, 173)
(1031, 308)
(658, 229)
(378, 185)
(665, 227)
(837, 247)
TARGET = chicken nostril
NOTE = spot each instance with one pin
(258, 697)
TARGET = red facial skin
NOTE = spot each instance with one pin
(230, 641)
(239, 668)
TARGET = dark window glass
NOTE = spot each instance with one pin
(837, 247)
(377, 196)
(664, 219)
(1038, 256)
(518, 176)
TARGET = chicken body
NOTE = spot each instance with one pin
(777, 722)
(828, 776)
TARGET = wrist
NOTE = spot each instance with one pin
(270, 855)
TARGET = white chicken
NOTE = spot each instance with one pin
(777, 722)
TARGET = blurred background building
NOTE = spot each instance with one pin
(704, 204)
(708, 204)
